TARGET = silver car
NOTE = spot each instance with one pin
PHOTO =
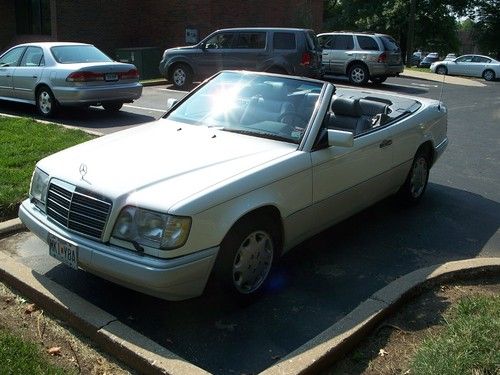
(52, 74)
(361, 56)
(469, 65)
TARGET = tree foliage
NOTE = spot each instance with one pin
(436, 21)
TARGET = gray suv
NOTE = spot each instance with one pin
(361, 56)
(277, 50)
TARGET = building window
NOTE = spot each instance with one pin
(33, 17)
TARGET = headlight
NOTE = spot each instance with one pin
(38, 188)
(153, 229)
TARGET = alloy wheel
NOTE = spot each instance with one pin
(419, 177)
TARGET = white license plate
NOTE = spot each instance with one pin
(111, 77)
(63, 251)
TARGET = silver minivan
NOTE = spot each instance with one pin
(361, 56)
(277, 50)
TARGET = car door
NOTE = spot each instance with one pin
(348, 179)
(478, 65)
(247, 51)
(214, 52)
(460, 66)
(342, 47)
(29, 72)
(8, 62)
(325, 41)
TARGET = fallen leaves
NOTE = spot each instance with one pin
(30, 308)
(382, 353)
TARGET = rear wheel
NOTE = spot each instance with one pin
(489, 75)
(441, 69)
(416, 182)
(246, 256)
(112, 107)
(181, 76)
(358, 74)
(378, 80)
(46, 103)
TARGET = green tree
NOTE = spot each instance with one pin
(486, 13)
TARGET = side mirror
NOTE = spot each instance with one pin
(203, 46)
(171, 103)
(340, 138)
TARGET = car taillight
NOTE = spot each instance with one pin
(306, 58)
(85, 77)
(382, 58)
(131, 74)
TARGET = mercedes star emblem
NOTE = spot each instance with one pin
(83, 170)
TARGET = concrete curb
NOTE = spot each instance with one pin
(129, 346)
(339, 339)
(439, 78)
(11, 226)
(159, 82)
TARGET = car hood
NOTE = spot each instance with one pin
(161, 163)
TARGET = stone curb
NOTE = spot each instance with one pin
(159, 82)
(439, 78)
(336, 341)
(124, 343)
(10, 227)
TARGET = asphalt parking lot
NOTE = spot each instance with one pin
(327, 276)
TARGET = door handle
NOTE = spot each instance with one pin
(385, 143)
(35, 77)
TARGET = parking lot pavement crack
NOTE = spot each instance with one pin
(107, 324)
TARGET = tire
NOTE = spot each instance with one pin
(415, 184)
(246, 257)
(489, 75)
(378, 80)
(441, 69)
(46, 104)
(181, 76)
(112, 107)
(358, 75)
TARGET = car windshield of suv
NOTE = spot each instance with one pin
(78, 54)
(264, 106)
(390, 44)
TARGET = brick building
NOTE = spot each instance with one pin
(111, 24)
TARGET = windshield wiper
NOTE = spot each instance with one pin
(272, 136)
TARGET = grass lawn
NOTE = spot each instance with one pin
(469, 344)
(22, 143)
(414, 68)
(22, 357)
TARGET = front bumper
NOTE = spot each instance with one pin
(170, 279)
(74, 95)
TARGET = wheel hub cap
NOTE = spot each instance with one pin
(358, 75)
(252, 262)
(45, 102)
(418, 177)
(179, 77)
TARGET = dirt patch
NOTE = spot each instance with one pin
(390, 347)
(71, 351)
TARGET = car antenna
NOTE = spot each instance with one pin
(441, 93)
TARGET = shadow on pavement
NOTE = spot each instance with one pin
(386, 86)
(92, 118)
(310, 289)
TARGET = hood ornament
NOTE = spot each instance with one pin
(83, 170)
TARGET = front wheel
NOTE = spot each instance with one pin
(246, 256)
(442, 70)
(46, 103)
(181, 76)
(358, 75)
(112, 107)
(489, 75)
(416, 182)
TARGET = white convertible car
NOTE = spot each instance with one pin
(245, 167)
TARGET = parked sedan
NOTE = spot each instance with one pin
(428, 60)
(469, 65)
(237, 173)
(52, 74)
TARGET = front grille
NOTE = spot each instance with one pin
(78, 210)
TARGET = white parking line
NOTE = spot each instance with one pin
(144, 108)
(423, 85)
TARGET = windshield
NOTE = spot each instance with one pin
(78, 54)
(263, 106)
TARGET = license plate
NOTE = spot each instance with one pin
(63, 251)
(111, 77)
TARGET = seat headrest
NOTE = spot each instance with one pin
(346, 107)
(372, 108)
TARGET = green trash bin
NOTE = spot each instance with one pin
(146, 59)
